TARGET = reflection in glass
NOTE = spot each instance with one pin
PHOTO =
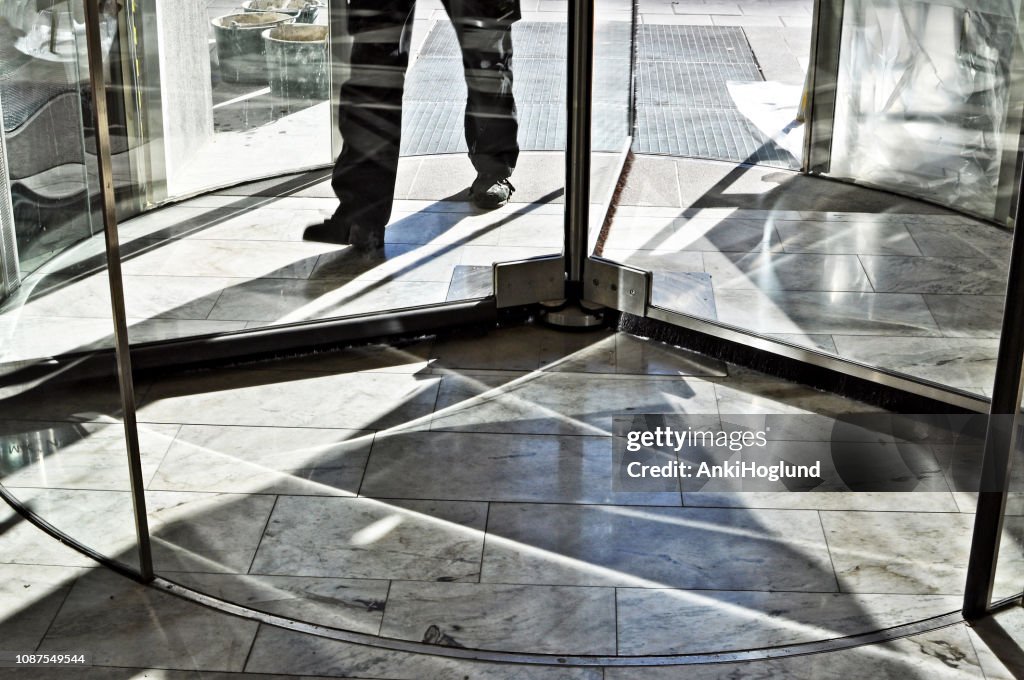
(281, 250)
(62, 447)
(219, 95)
(50, 167)
(863, 275)
(917, 115)
(236, 476)
(1009, 575)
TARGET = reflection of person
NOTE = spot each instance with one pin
(370, 118)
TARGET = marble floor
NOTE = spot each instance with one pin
(459, 491)
(814, 263)
(131, 632)
(877, 279)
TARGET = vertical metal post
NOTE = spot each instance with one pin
(823, 77)
(1000, 438)
(577, 144)
(124, 364)
(10, 275)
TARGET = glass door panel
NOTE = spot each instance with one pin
(216, 100)
(925, 104)
(895, 283)
(243, 257)
(62, 440)
(259, 447)
(44, 93)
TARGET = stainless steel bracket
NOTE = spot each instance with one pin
(616, 286)
(527, 282)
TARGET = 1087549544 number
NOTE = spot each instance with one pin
(42, 659)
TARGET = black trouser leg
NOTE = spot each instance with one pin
(492, 127)
(370, 118)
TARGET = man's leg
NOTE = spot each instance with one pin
(370, 122)
(485, 36)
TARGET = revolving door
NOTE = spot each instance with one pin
(687, 181)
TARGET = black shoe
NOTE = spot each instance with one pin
(369, 242)
(489, 192)
(328, 231)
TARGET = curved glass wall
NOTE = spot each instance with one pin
(284, 484)
(62, 437)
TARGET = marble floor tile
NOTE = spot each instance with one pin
(281, 651)
(687, 292)
(498, 467)
(861, 468)
(656, 260)
(23, 543)
(364, 538)
(512, 208)
(289, 300)
(168, 297)
(348, 604)
(695, 234)
(291, 399)
(758, 395)
(30, 597)
(642, 233)
(118, 622)
(949, 275)
(409, 358)
(77, 455)
(450, 228)
(512, 349)
(240, 259)
(153, 330)
(853, 238)
(652, 547)
(175, 221)
(206, 532)
(285, 184)
(265, 223)
(447, 175)
(997, 643)
(264, 460)
(536, 619)
(401, 262)
(967, 316)
(625, 210)
(660, 186)
(547, 231)
(101, 520)
(656, 621)
(639, 356)
(470, 282)
(899, 552)
(560, 403)
(957, 362)
(786, 271)
(880, 501)
(488, 255)
(26, 339)
(961, 239)
(945, 654)
(594, 352)
(857, 313)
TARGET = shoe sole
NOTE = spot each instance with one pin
(491, 206)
